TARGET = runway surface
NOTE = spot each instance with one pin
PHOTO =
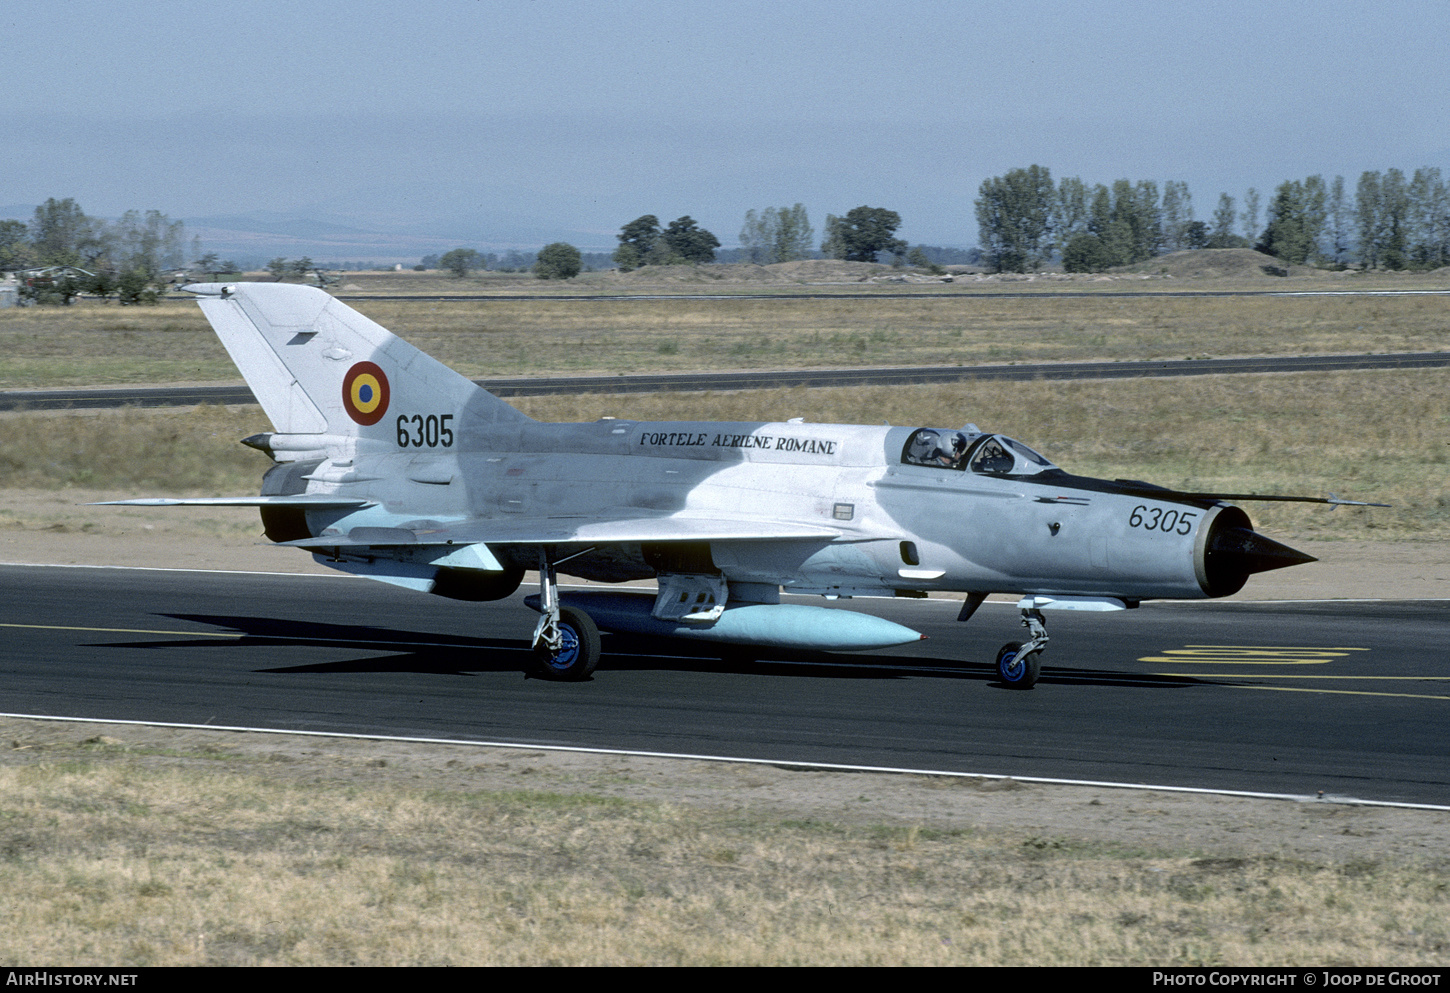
(1348, 698)
(171, 396)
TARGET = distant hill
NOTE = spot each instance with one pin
(253, 238)
(291, 227)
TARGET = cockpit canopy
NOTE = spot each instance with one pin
(969, 448)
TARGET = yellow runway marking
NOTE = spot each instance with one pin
(65, 627)
(1307, 689)
(1279, 655)
(1250, 655)
(1221, 661)
(1283, 648)
(1294, 675)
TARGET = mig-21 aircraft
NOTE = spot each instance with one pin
(392, 466)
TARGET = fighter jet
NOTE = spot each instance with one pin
(392, 466)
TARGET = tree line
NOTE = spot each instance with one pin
(775, 234)
(559, 260)
(768, 236)
(127, 258)
(1388, 221)
(772, 235)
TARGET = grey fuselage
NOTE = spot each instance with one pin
(901, 525)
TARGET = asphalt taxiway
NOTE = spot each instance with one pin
(1347, 698)
(106, 397)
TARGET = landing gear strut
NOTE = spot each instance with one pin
(1020, 663)
(566, 640)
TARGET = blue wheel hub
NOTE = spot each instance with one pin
(568, 652)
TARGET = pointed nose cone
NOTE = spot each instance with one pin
(1240, 550)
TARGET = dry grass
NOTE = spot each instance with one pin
(512, 338)
(204, 857)
(181, 450)
(93, 344)
(1378, 436)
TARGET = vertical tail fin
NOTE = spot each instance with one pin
(319, 367)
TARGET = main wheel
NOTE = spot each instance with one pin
(1015, 671)
(579, 654)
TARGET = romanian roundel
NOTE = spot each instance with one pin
(365, 393)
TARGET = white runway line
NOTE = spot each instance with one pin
(735, 760)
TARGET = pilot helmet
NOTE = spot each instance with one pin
(924, 444)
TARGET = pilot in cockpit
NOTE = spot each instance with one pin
(929, 447)
(951, 450)
(924, 446)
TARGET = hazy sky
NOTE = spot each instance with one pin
(530, 121)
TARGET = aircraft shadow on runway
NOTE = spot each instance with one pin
(441, 654)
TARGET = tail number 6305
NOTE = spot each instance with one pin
(425, 431)
(1158, 519)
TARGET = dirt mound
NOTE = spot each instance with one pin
(656, 275)
(1212, 263)
(829, 270)
(744, 272)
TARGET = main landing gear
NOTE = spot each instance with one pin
(566, 640)
(1020, 663)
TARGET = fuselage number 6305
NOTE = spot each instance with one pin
(1158, 519)
(425, 431)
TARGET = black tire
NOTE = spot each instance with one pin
(1017, 673)
(580, 652)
